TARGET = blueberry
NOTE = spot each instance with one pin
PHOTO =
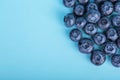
(113, 0)
(116, 20)
(90, 29)
(98, 57)
(111, 34)
(80, 22)
(69, 20)
(110, 48)
(118, 30)
(79, 10)
(99, 1)
(83, 1)
(86, 45)
(115, 60)
(99, 38)
(69, 3)
(93, 16)
(75, 35)
(118, 43)
(104, 23)
(117, 7)
(92, 6)
(106, 8)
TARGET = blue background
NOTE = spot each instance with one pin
(35, 45)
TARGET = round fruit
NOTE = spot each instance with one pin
(75, 35)
(85, 45)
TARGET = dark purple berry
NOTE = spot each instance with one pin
(106, 8)
(104, 23)
(83, 1)
(115, 60)
(79, 10)
(117, 7)
(116, 20)
(118, 43)
(69, 20)
(99, 38)
(90, 29)
(85, 45)
(112, 34)
(118, 31)
(75, 35)
(93, 16)
(98, 57)
(92, 6)
(110, 48)
(80, 22)
(113, 0)
(99, 1)
(69, 3)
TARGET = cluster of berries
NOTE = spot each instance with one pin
(100, 20)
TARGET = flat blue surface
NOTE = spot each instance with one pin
(34, 45)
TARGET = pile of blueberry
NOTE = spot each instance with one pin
(100, 20)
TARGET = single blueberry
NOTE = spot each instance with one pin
(111, 34)
(93, 16)
(69, 3)
(90, 29)
(104, 23)
(85, 45)
(92, 6)
(118, 30)
(110, 48)
(116, 20)
(118, 42)
(113, 0)
(99, 38)
(115, 60)
(80, 22)
(83, 1)
(99, 1)
(117, 7)
(79, 10)
(75, 35)
(98, 57)
(107, 8)
(69, 20)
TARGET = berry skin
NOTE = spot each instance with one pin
(104, 23)
(118, 43)
(116, 20)
(69, 20)
(93, 16)
(118, 30)
(112, 34)
(69, 3)
(92, 6)
(99, 38)
(115, 60)
(98, 57)
(113, 0)
(117, 7)
(79, 10)
(107, 8)
(80, 22)
(75, 35)
(83, 1)
(110, 48)
(85, 45)
(99, 1)
(90, 29)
